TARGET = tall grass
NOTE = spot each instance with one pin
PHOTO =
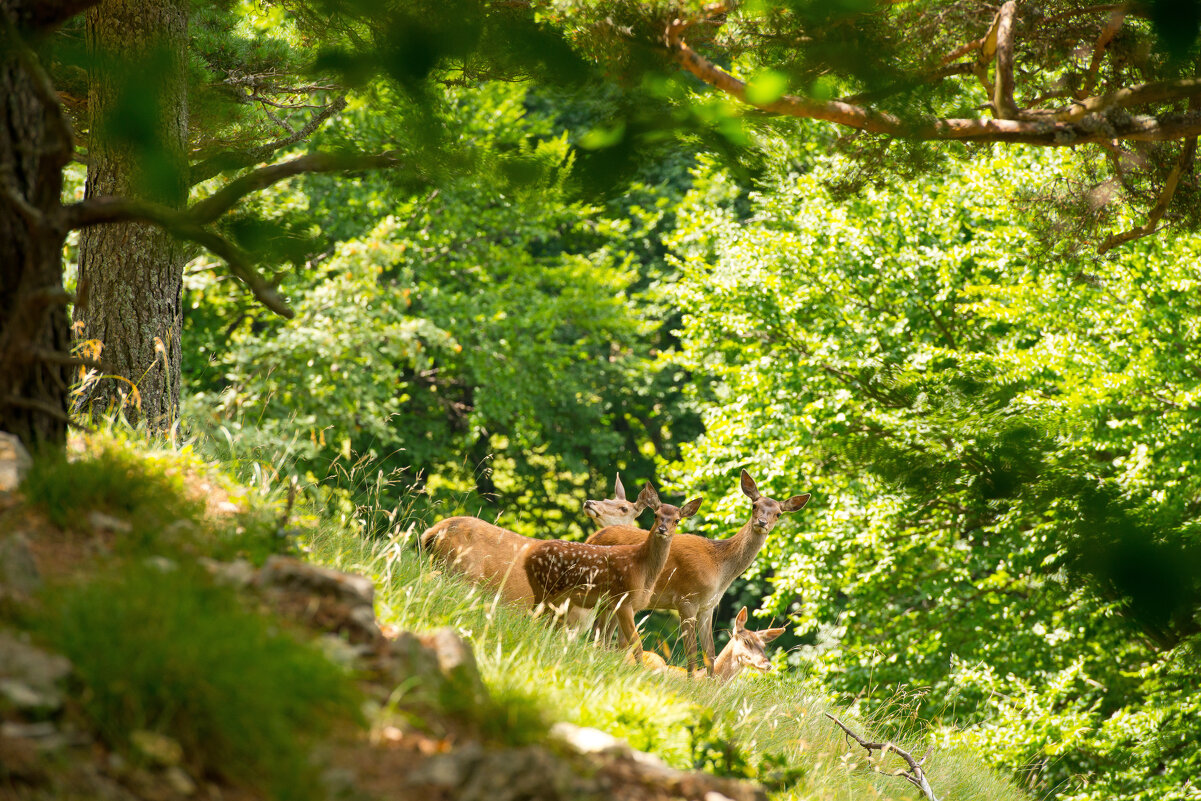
(769, 728)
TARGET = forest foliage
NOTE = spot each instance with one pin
(580, 262)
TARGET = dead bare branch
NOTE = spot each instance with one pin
(915, 775)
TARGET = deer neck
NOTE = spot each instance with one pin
(725, 667)
(740, 551)
(653, 555)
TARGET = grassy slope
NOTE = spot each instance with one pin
(763, 727)
(768, 728)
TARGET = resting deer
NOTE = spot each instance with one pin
(746, 649)
(494, 556)
(619, 579)
(700, 570)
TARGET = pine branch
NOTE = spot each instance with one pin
(240, 159)
(1082, 123)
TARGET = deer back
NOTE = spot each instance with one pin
(483, 553)
(555, 568)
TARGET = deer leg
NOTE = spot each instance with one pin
(688, 630)
(705, 630)
(629, 632)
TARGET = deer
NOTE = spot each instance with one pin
(700, 570)
(494, 557)
(615, 579)
(746, 649)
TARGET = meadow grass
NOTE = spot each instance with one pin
(771, 728)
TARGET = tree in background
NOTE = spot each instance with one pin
(1000, 440)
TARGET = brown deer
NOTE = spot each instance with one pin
(619, 579)
(746, 649)
(494, 557)
(700, 570)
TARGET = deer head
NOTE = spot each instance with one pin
(667, 517)
(615, 512)
(766, 511)
(749, 647)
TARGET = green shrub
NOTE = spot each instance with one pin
(170, 653)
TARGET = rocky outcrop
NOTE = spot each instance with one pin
(447, 756)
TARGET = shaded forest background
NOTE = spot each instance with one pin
(575, 261)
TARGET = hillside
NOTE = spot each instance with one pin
(158, 641)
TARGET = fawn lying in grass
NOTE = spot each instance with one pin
(745, 649)
(616, 579)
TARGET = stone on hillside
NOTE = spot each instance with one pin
(14, 462)
(623, 764)
(101, 522)
(472, 773)
(289, 572)
(18, 570)
(29, 676)
(322, 598)
(179, 781)
(457, 662)
(238, 574)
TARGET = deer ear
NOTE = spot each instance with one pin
(691, 508)
(795, 502)
(619, 492)
(748, 486)
(648, 497)
(767, 635)
(740, 621)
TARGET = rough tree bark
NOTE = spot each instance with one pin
(35, 145)
(131, 273)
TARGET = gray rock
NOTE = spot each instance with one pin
(649, 771)
(288, 573)
(457, 662)
(471, 773)
(102, 522)
(18, 569)
(44, 735)
(238, 573)
(29, 676)
(179, 781)
(14, 462)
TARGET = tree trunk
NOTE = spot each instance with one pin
(35, 145)
(131, 274)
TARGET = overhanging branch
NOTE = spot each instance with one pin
(212, 207)
(241, 159)
(1003, 105)
(1161, 206)
(190, 224)
(1083, 123)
